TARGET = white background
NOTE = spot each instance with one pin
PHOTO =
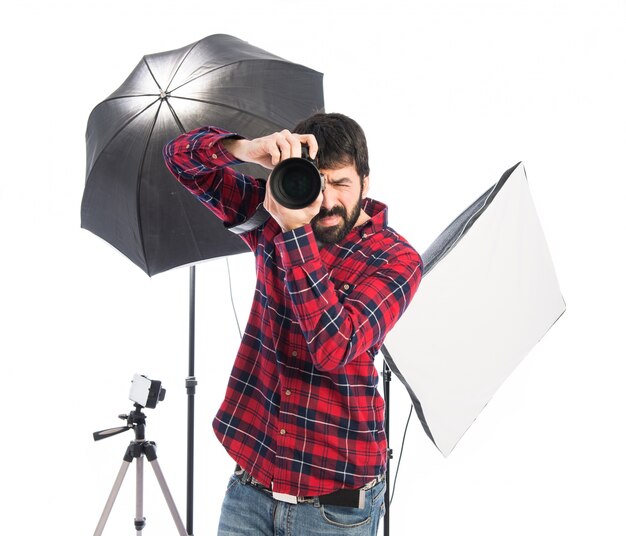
(451, 93)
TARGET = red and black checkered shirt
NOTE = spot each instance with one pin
(302, 411)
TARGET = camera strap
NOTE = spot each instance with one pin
(256, 220)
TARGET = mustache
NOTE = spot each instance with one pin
(335, 211)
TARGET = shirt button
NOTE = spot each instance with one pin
(294, 354)
(188, 145)
(346, 287)
(283, 431)
(288, 392)
(213, 156)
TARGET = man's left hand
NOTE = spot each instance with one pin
(290, 219)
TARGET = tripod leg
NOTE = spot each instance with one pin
(152, 458)
(140, 520)
(112, 496)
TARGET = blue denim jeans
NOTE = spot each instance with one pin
(251, 511)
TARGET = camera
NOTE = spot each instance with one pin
(145, 392)
(296, 182)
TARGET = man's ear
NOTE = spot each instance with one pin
(366, 186)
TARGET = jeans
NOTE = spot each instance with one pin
(250, 511)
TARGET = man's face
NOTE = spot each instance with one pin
(341, 206)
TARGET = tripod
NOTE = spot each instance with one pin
(137, 449)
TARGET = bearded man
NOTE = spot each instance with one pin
(302, 416)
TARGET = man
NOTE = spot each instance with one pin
(302, 416)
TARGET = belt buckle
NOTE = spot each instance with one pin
(373, 483)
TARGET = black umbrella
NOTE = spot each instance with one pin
(130, 198)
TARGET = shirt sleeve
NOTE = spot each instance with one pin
(202, 165)
(337, 331)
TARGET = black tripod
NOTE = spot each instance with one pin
(136, 421)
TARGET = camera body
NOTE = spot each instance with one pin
(296, 182)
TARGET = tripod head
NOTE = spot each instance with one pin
(145, 393)
(135, 420)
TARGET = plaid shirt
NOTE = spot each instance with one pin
(302, 411)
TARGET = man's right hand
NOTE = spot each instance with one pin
(268, 151)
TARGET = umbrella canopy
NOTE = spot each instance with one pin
(130, 199)
(488, 295)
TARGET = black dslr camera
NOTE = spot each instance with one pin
(296, 182)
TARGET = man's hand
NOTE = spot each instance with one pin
(290, 219)
(268, 151)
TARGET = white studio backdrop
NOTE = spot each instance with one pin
(451, 94)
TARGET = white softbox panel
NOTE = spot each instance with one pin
(488, 295)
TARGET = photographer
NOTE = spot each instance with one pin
(302, 416)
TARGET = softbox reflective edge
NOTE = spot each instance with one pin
(488, 295)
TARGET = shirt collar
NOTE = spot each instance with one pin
(377, 212)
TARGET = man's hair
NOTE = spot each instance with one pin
(341, 141)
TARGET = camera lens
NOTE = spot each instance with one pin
(295, 183)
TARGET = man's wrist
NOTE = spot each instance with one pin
(288, 227)
(297, 246)
(233, 146)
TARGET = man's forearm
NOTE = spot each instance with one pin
(337, 330)
(197, 153)
(201, 164)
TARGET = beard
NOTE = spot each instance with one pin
(335, 233)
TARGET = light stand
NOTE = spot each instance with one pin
(387, 396)
(137, 449)
(190, 384)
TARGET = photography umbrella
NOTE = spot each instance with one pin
(130, 199)
(488, 295)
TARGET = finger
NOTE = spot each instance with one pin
(295, 145)
(272, 149)
(285, 148)
(276, 146)
(311, 142)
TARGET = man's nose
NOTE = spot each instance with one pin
(328, 198)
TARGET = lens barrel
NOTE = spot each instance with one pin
(296, 182)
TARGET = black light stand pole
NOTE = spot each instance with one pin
(387, 395)
(190, 384)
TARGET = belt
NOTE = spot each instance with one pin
(353, 498)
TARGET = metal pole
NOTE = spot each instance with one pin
(387, 394)
(190, 384)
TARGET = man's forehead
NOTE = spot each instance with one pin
(341, 171)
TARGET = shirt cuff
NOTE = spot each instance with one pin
(297, 247)
(210, 142)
